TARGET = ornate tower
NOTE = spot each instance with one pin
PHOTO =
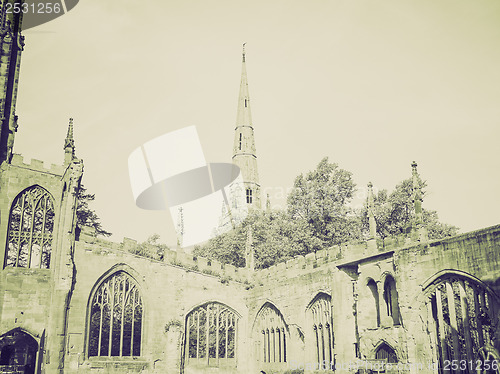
(11, 46)
(244, 153)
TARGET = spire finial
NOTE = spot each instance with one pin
(371, 212)
(69, 144)
(417, 203)
(417, 194)
(244, 51)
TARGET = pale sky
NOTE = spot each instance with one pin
(373, 85)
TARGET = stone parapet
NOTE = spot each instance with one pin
(37, 165)
(177, 258)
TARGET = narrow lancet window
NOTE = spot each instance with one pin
(391, 300)
(249, 196)
(375, 310)
(31, 222)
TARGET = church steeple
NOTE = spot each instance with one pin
(244, 153)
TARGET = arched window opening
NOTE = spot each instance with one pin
(376, 309)
(18, 352)
(320, 312)
(31, 222)
(240, 140)
(249, 196)
(116, 313)
(464, 319)
(391, 300)
(211, 331)
(274, 333)
(386, 353)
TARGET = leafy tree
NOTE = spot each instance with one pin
(275, 238)
(86, 216)
(321, 198)
(394, 213)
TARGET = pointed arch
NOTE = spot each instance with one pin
(391, 301)
(18, 351)
(115, 316)
(375, 308)
(211, 332)
(463, 317)
(384, 351)
(319, 312)
(274, 334)
(30, 227)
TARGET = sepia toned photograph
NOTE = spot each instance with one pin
(249, 187)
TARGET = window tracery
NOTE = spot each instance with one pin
(464, 323)
(273, 334)
(31, 222)
(211, 335)
(116, 318)
(321, 313)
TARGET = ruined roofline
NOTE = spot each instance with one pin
(350, 254)
(178, 258)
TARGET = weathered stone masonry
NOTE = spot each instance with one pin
(73, 303)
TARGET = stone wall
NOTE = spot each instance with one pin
(54, 303)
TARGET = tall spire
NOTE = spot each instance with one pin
(244, 153)
(244, 117)
(69, 144)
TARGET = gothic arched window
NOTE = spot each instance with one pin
(391, 300)
(211, 335)
(274, 333)
(320, 311)
(386, 353)
(465, 321)
(116, 318)
(31, 222)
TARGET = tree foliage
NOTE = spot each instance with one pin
(394, 213)
(275, 237)
(86, 216)
(318, 216)
(321, 199)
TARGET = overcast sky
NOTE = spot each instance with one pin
(373, 85)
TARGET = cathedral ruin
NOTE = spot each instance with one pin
(71, 302)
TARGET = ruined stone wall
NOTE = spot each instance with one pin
(344, 273)
(35, 299)
(169, 293)
(25, 294)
